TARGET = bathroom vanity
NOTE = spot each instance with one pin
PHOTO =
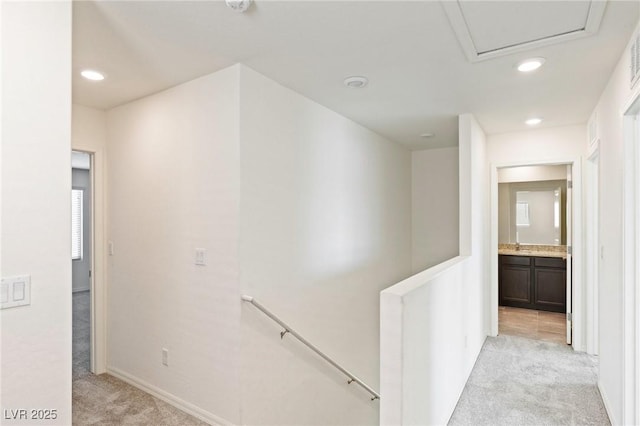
(533, 277)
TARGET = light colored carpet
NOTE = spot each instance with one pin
(81, 334)
(519, 381)
(106, 400)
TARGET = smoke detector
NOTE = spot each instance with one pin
(238, 5)
(356, 82)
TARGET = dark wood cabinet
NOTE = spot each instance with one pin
(533, 282)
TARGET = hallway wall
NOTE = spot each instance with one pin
(36, 210)
(434, 199)
(174, 187)
(325, 225)
(295, 205)
(609, 120)
(565, 142)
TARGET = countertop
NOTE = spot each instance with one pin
(533, 250)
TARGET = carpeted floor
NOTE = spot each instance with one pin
(106, 400)
(519, 381)
(81, 334)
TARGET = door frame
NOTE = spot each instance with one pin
(569, 268)
(592, 247)
(98, 352)
(631, 261)
(576, 243)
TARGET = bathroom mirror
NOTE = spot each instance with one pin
(533, 213)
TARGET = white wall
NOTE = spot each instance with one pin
(174, 187)
(295, 205)
(434, 219)
(36, 187)
(89, 129)
(566, 142)
(531, 173)
(609, 113)
(326, 224)
(433, 324)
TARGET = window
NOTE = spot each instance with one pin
(522, 213)
(77, 195)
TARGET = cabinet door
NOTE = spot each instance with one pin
(550, 289)
(515, 285)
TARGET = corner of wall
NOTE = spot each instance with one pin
(36, 353)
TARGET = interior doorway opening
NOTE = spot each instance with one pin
(574, 315)
(82, 262)
(534, 252)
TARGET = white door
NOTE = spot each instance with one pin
(569, 220)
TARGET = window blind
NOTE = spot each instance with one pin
(76, 223)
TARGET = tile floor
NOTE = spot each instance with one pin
(532, 324)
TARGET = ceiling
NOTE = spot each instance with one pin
(420, 77)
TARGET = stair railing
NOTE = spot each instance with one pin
(287, 329)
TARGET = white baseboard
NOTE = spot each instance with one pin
(607, 405)
(179, 403)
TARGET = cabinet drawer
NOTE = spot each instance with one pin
(516, 260)
(550, 262)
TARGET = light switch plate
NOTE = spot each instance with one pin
(15, 291)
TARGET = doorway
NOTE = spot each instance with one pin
(81, 261)
(534, 272)
(562, 268)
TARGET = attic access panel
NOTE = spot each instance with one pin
(487, 29)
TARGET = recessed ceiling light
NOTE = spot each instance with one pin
(92, 75)
(530, 64)
(533, 121)
(356, 82)
(427, 135)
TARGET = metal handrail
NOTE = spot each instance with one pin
(287, 329)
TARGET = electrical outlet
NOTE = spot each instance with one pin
(165, 356)
(201, 256)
